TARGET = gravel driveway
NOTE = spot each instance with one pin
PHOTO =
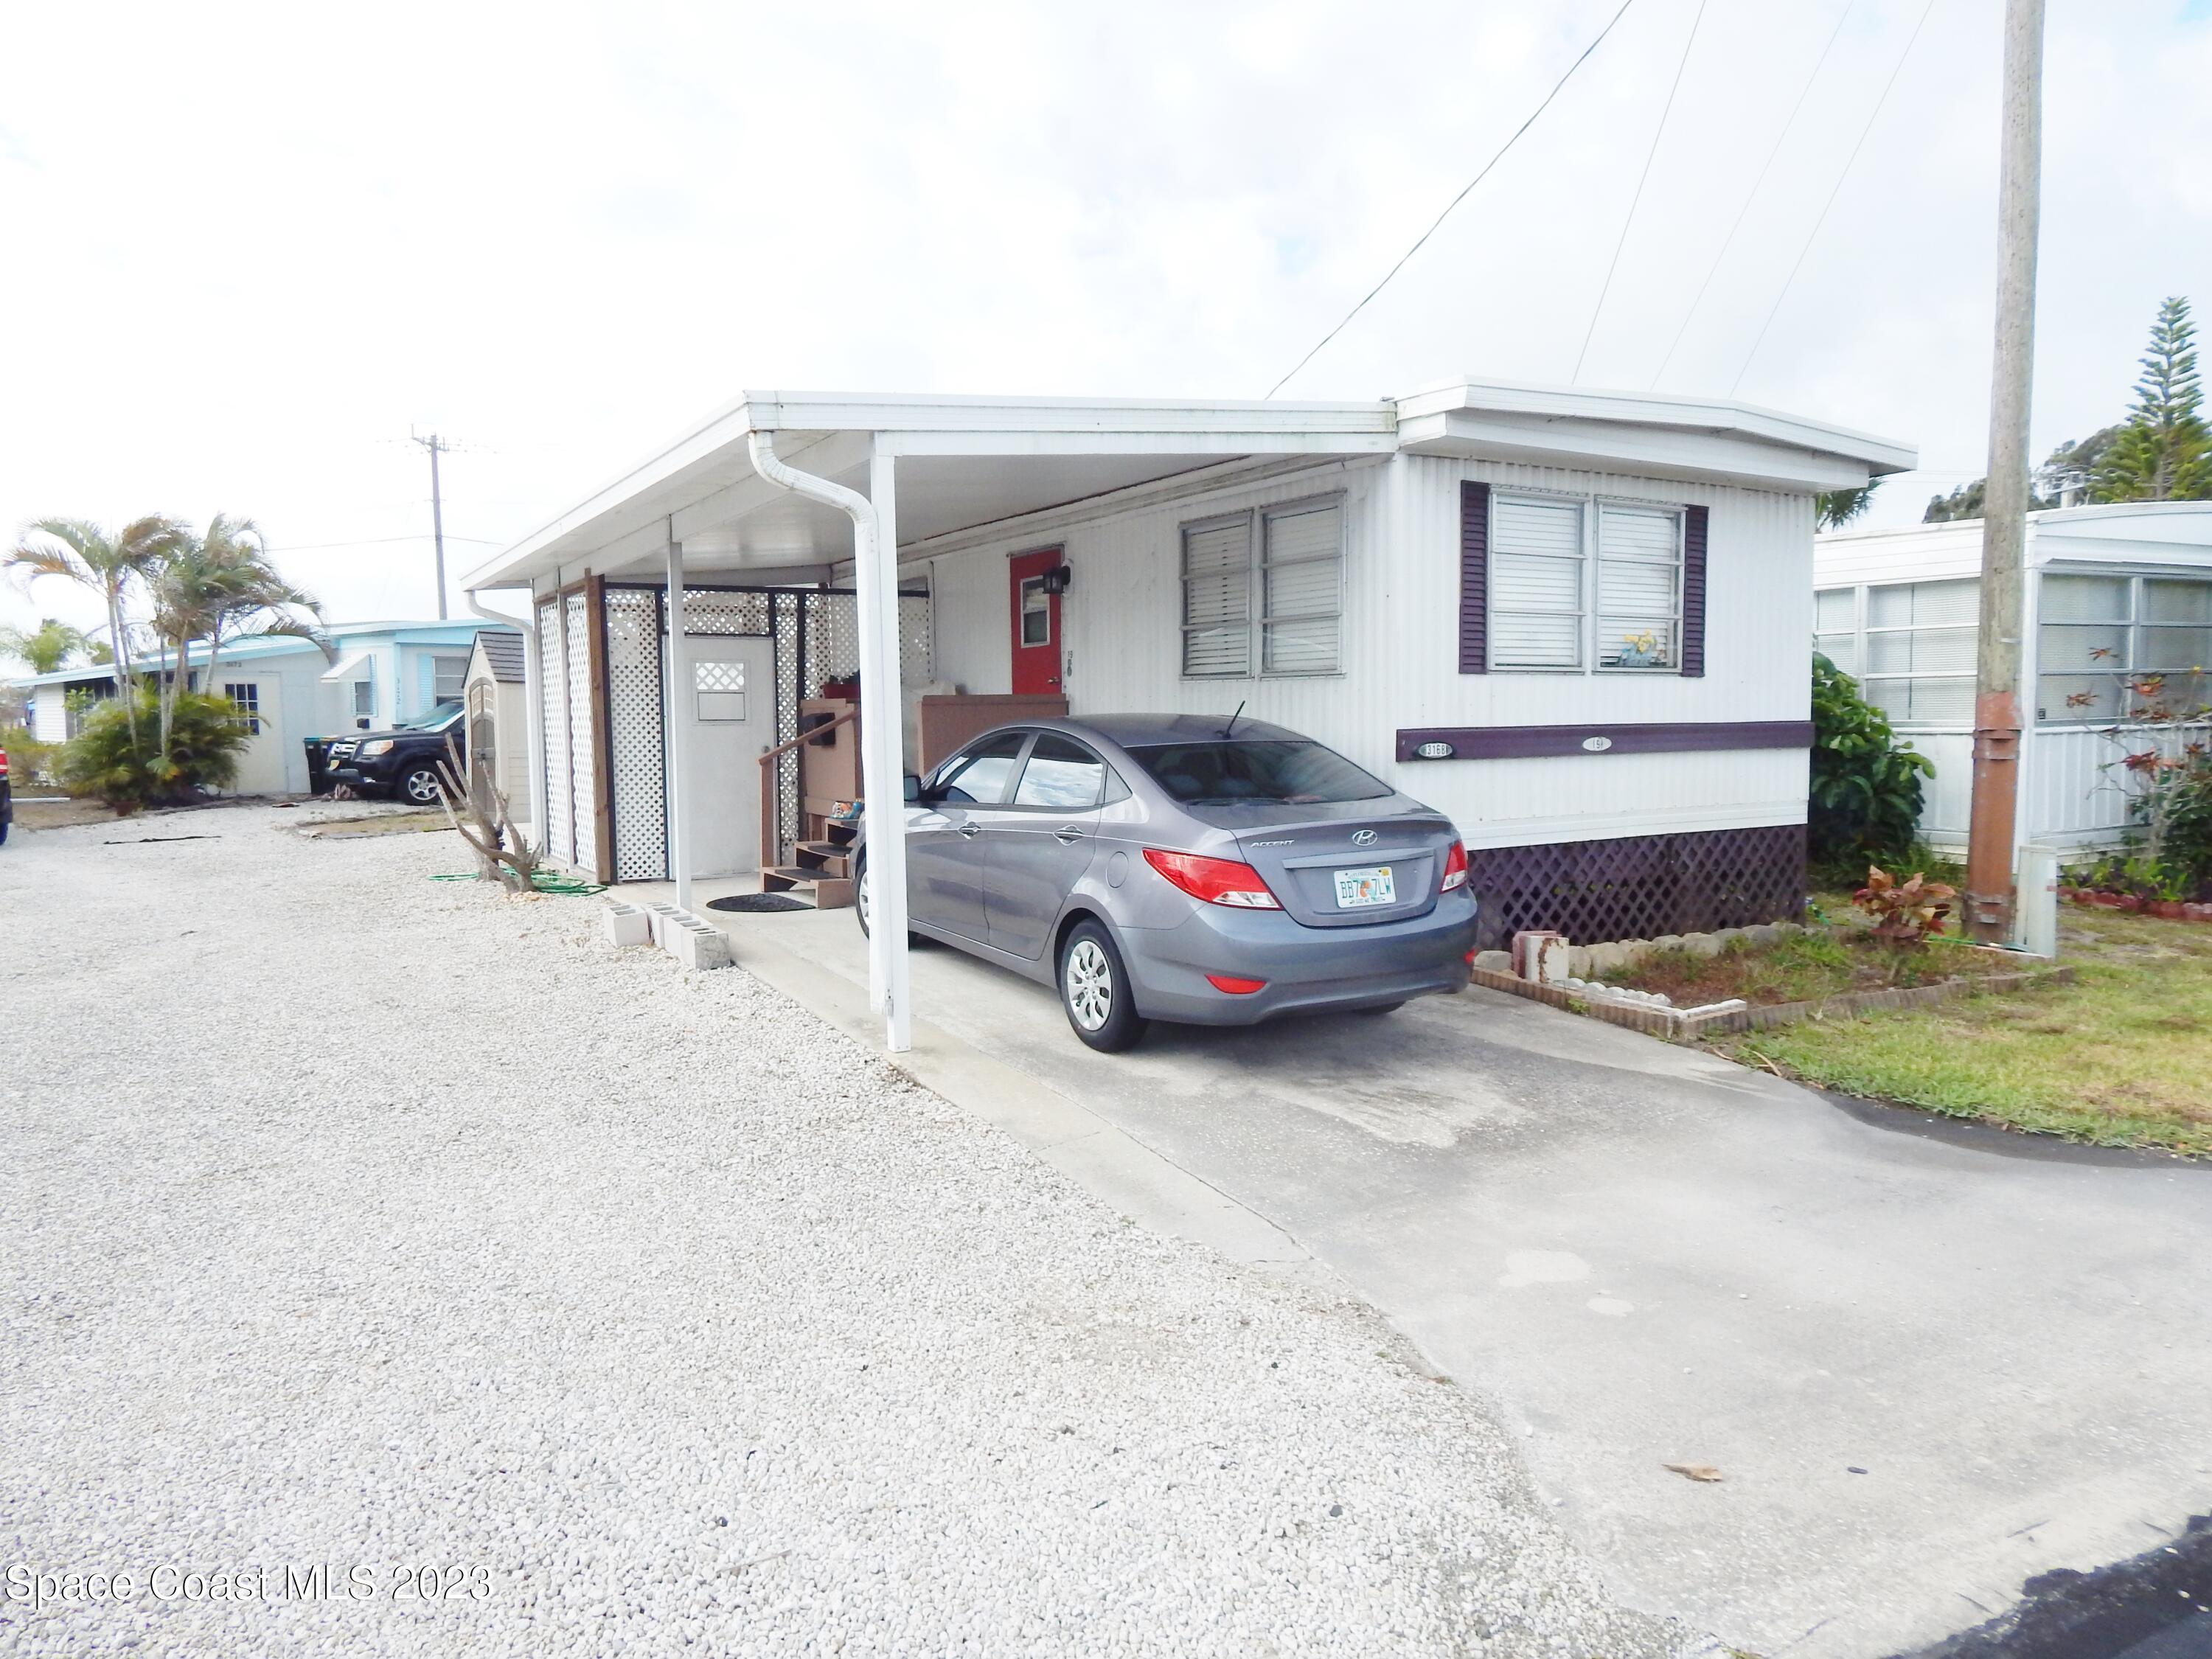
(409, 1230)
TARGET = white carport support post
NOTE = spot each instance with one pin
(679, 704)
(883, 723)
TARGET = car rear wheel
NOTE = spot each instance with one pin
(419, 784)
(1094, 989)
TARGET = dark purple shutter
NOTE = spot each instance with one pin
(1474, 578)
(1693, 591)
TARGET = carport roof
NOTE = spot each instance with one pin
(969, 462)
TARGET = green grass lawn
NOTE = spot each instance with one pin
(2121, 1057)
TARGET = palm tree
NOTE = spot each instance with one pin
(47, 647)
(78, 550)
(213, 585)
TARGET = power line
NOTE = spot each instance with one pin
(1456, 200)
(379, 541)
(1744, 211)
(1635, 201)
(1874, 115)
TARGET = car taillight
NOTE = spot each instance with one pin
(1455, 867)
(1218, 881)
(1233, 986)
(3, 762)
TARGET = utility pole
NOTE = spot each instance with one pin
(2004, 513)
(437, 447)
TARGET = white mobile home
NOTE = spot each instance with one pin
(2114, 593)
(1572, 620)
(372, 674)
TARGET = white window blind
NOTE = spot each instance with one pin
(1216, 597)
(447, 676)
(1302, 590)
(1639, 587)
(1536, 565)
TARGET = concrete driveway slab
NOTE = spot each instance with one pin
(1928, 1366)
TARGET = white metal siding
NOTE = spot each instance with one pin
(1123, 630)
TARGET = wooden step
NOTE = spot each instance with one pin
(830, 892)
(828, 858)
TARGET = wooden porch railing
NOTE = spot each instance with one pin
(771, 835)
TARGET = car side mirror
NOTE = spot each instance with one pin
(913, 790)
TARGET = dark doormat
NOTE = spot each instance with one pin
(755, 902)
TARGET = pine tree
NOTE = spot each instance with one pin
(2164, 454)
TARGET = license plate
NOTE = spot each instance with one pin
(1356, 890)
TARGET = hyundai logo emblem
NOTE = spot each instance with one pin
(1363, 838)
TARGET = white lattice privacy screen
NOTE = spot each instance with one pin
(817, 640)
(583, 786)
(556, 822)
(634, 743)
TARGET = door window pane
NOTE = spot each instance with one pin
(1060, 773)
(978, 776)
(721, 687)
(1036, 613)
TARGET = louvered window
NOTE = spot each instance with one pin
(2097, 634)
(1836, 627)
(1918, 665)
(1536, 578)
(1264, 587)
(1216, 596)
(1639, 587)
(1302, 581)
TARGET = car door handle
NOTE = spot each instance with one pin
(1067, 834)
(971, 830)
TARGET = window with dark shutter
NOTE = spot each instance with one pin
(1693, 591)
(1474, 578)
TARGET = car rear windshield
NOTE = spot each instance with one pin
(1257, 769)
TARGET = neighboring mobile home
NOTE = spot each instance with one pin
(1572, 620)
(374, 674)
(2114, 593)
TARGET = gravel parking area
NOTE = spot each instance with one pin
(408, 1230)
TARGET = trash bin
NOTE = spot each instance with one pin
(319, 775)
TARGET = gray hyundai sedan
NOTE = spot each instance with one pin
(1184, 868)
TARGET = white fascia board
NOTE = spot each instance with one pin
(1659, 411)
(1113, 418)
(1641, 450)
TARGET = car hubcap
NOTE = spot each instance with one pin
(861, 897)
(422, 787)
(1089, 985)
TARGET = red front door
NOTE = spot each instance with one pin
(1035, 618)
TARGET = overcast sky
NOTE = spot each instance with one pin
(243, 249)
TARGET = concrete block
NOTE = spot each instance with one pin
(1608, 958)
(656, 917)
(627, 925)
(694, 943)
(1539, 956)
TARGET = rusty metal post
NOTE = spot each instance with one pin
(1991, 834)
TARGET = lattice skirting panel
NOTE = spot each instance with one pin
(635, 742)
(1640, 886)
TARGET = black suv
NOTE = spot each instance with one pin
(402, 761)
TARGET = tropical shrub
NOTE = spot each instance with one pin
(28, 759)
(1905, 914)
(1867, 786)
(118, 754)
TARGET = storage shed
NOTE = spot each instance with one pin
(2114, 593)
(499, 715)
(1569, 619)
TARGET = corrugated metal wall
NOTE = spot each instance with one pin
(1122, 625)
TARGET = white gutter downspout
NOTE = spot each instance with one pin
(533, 693)
(883, 771)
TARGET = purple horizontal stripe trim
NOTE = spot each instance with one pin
(1521, 742)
